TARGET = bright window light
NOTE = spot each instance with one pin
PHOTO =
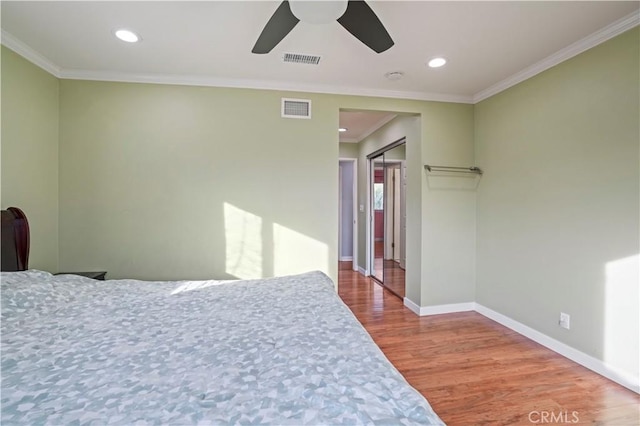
(128, 36)
(342, 129)
(437, 62)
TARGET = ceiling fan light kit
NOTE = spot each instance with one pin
(318, 12)
(354, 15)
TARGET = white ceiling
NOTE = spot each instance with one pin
(489, 45)
(360, 124)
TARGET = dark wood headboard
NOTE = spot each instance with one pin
(15, 240)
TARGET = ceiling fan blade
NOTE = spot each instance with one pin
(361, 21)
(280, 24)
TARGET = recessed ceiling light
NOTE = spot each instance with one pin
(127, 35)
(342, 129)
(394, 75)
(437, 62)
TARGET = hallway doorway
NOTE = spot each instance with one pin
(347, 212)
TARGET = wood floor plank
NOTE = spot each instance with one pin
(474, 371)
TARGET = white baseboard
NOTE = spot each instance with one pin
(438, 309)
(363, 271)
(346, 259)
(412, 306)
(563, 349)
(593, 364)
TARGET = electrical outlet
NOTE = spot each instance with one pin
(565, 320)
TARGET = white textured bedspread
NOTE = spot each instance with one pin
(274, 351)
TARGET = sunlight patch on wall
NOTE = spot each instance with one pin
(622, 317)
(243, 236)
(295, 253)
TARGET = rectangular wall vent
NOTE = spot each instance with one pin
(296, 108)
(299, 58)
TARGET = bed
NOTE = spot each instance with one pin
(283, 350)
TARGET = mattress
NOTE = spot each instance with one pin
(272, 351)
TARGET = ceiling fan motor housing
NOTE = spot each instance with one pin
(318, 12)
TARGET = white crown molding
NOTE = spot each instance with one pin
(192, 80)
(28, 53)
(616, 28)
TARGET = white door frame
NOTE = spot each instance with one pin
(354, 162)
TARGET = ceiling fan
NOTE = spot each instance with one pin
(354, 15)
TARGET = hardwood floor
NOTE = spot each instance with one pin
(474, 371)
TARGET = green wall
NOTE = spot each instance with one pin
(168, 182)
(171, 182)
(177, 182)
(558, 205)
(30, 153)
(448, 207)
(348, 150)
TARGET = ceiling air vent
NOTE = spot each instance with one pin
(296, 108)
(299, 58)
